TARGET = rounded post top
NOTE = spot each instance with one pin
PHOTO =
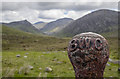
(88, 53)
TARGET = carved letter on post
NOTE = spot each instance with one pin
(88, 53)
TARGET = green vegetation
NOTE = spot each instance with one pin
(44, 51)
(23, 25)
(17, 40)
(112, 38)
(58, 61)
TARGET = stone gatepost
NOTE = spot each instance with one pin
(88, 53)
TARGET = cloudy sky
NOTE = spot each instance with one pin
(49, 11)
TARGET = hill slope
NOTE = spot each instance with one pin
(99, 21)
(23, 25)
(39, 25)
(55, 26)
(18, 40)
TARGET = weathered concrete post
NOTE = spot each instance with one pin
(88, 53)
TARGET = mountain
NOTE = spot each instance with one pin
(55, 26)
(100, 21)
(39, 25)
(23, 25)
(13, 39)
(39, 22)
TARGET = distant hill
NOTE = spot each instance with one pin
(39, 22)
(23, 25)
(55, 26)
(13, 39)
(39, 25)
(100, 21)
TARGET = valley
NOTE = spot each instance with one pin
(27, 49)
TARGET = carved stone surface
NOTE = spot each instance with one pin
(88, 53)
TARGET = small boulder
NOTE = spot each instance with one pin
(108, 64)
(26, 53)
(31, 67)
(63, 51)
(17, 55)
(55, 59)
(25, 56)
(48, 69)
(47, 52)
(43, 52)
(42, 55)
(110, 60)
(70, 68)
(40, 68)
(119, 69)
(59, 62)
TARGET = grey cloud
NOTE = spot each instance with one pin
(25, 9)
(17, 5)
(57, 5)
(44, 17)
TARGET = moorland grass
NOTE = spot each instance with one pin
(58, 60)
(44, 51)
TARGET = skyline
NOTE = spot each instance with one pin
(50, 11)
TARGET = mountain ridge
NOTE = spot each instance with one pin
(99, 21)
(58, 24)
(22, 25)
(39, 22)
